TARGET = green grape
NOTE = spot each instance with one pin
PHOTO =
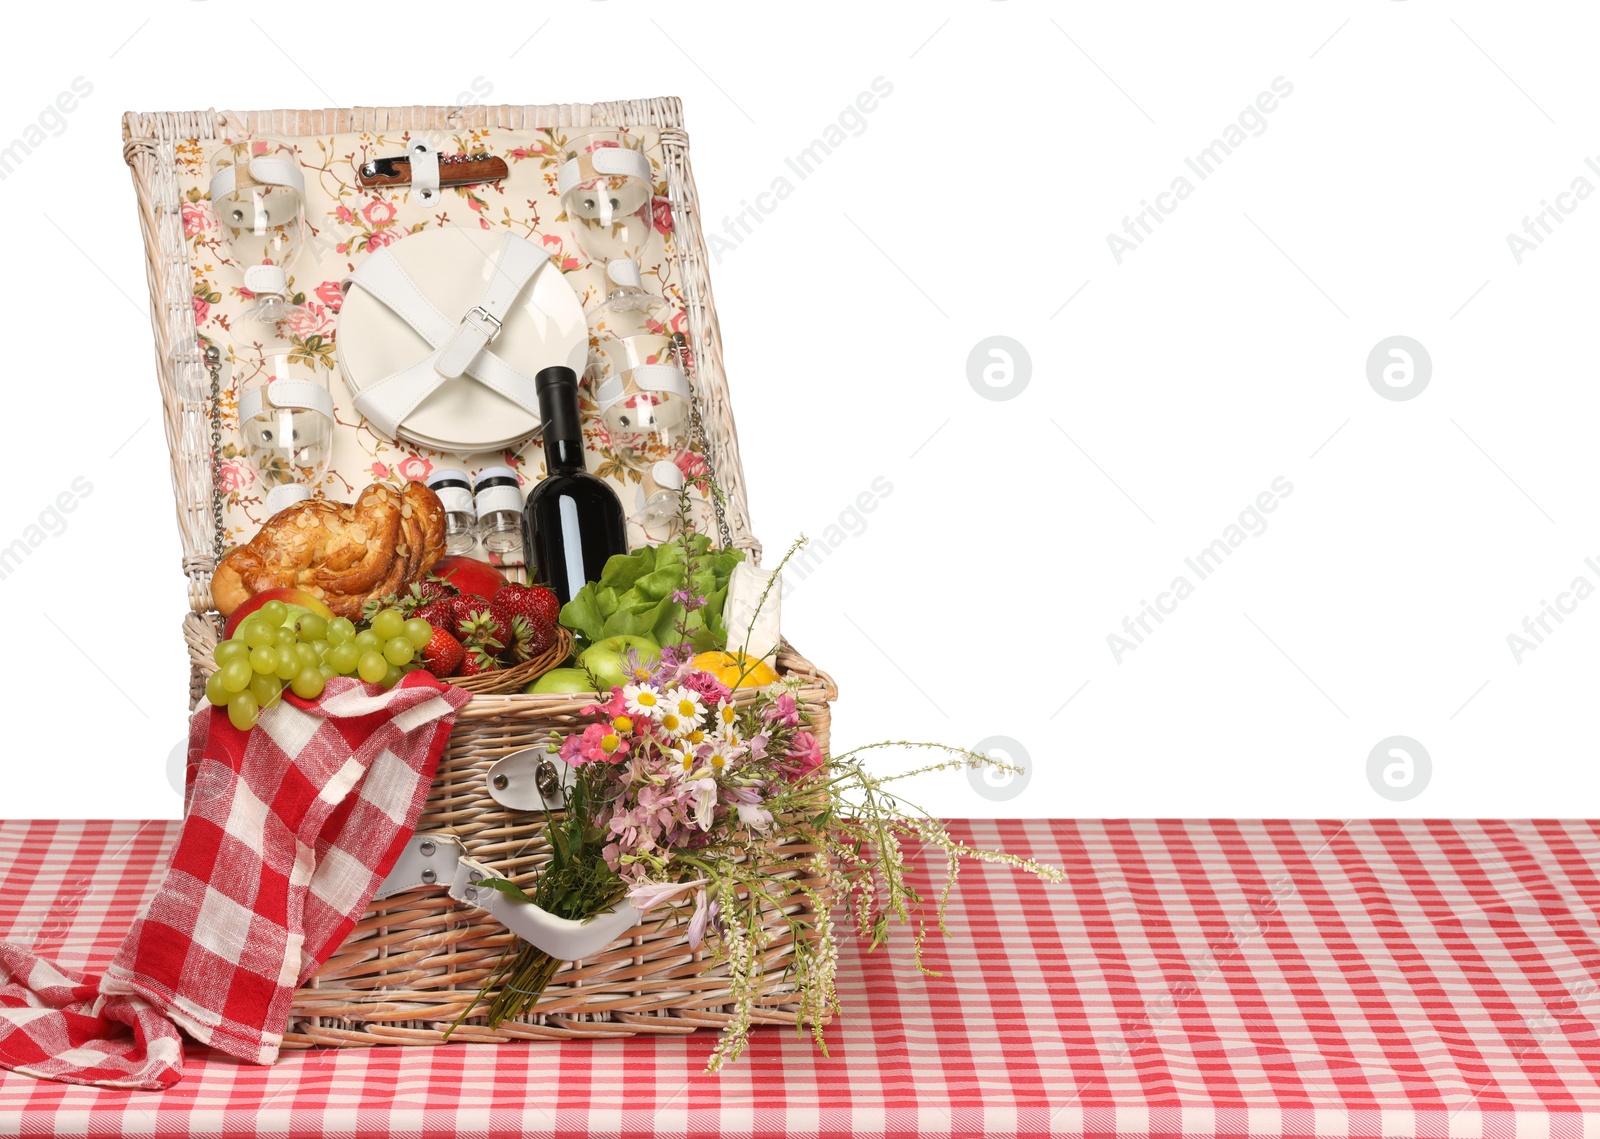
(236, 675)
(215, 691)
(288, 665)
(254, 632)
(266, 690)
(367, 640)
(327, 671)
(418, 632)
(343, 658)
(340, 630)
(398, 651)
(312, 628)
(307, 656)
(372, 667)
(242, 711)
(231, 650)
(321, 648)
(388, 624)
(264, 659)
(308, 683)
(392, 677)
(283, 638)
(274, 613)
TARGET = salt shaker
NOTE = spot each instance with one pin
(498, 497)
(460, 518)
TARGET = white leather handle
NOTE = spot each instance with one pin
(602, 161)
(424, 170)
(440, 860)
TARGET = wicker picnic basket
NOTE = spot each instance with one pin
(417, 959)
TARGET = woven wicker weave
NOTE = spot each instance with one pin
(415, 961)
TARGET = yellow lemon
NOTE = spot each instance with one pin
(727, 668)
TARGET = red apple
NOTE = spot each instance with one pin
(469, 575)
(289, 595)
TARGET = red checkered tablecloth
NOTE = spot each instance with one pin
(1191, 978)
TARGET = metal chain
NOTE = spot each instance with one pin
(698, 434)
(214, 366)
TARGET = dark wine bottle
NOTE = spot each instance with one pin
(573, 521)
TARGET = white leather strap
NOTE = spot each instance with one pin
(305, 395)
(602, 161)
(645, 377)
(458, 347)
(440, 860)
(518, 261)
(424, 170)
(268, 280)
(267, 170)
(624, 273)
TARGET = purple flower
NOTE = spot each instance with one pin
(690, 601)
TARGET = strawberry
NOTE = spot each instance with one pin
(538, 604)
(478, 661)
(440, 614)
(530, 638)
(480, 628)
(426, 591)
(443, 654)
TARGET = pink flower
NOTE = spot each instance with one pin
(378, 212)
(661, 215)
(483, 223)
(805, 754)
(680, 322)
(311, 320)
(703, 913)
(331, 295)
(611, 709)
(378, 238)
(196, 218)
(475, 205)
(202, 309)
(234, 475)
(380, 471)
(553, 243)
(599, 743)
(783, 710)
(711, 690)
(344, 215)
(647, 896)
(414, 468)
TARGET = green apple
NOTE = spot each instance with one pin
(608, 659)
(561, 680)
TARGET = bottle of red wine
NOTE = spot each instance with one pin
(573, 521)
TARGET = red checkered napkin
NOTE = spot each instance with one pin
(290, 829)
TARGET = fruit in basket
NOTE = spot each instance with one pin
(561, 680)
(292, 603)
(530, 639)
(443, 654)
(481, 628)
(477, 661)
(537, 604)
(469, 575)
(343, 554)
(736, 670)
(608, 659)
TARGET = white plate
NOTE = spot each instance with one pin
(451, 267)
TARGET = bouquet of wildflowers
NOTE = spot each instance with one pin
(679, 786)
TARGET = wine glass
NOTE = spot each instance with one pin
(258, 193)
(608, 193)
(287, 424)
(639, 385)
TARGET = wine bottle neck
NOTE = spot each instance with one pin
(563, 455)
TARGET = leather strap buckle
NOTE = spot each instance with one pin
(488, 323)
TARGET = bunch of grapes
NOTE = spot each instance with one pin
(265, 655)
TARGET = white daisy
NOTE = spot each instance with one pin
(686, 703)
(644, 700)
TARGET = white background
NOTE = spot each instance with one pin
(1165, 392)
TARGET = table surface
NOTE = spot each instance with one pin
(1191, 977)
